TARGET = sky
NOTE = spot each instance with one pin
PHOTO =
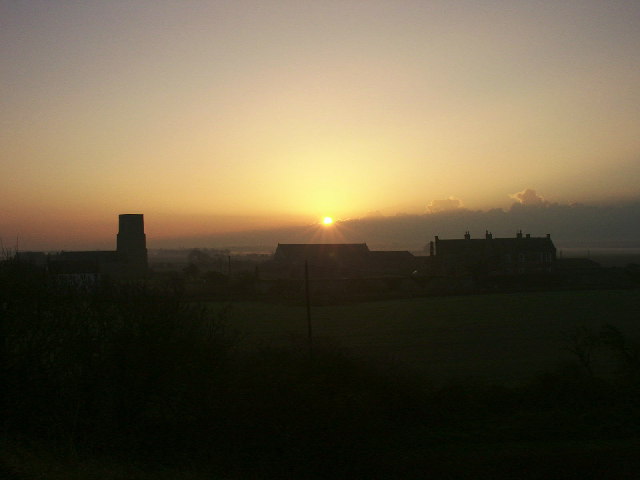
(213, 117)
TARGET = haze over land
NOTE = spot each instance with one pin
(216, 118)
(581, 227)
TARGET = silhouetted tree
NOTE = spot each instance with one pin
(582, 342)
(191, 270)
(198, 257)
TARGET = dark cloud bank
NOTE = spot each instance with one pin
(570, 226)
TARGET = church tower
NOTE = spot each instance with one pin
(132, 242)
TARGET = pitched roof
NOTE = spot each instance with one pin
(321, 252)
(393, 255)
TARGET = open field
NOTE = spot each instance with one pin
(137, 383)
(502, 338)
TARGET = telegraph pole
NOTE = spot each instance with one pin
(308, 299)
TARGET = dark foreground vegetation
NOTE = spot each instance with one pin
(142, 377)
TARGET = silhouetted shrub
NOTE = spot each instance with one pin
(107, 361)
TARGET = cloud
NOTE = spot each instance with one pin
(583, 226)
(374, 214)
(444, 205)
(529, 197)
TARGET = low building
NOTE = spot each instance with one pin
(338, 260)
(489, 256)
(128, 261)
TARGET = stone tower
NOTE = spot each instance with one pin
(132, 242)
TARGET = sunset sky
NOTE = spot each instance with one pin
(215, 116)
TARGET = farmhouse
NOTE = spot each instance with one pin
(340, 260)
(492, 256)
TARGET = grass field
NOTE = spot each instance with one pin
(162, 391)
(502, 338)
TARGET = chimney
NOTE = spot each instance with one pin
(519, 234)
(488, 235)
(528, 235)
(549, 235)
(432, 249)
(467, 235)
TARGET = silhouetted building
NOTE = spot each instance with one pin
(340, 260)
(322, 253)
(128, 261)
(132, 241)
(492, 256)
(392, 262)
(37, 259)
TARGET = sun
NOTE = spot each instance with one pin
(327, 220)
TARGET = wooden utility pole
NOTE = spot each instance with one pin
(308, 298)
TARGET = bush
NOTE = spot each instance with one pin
(103, 363)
